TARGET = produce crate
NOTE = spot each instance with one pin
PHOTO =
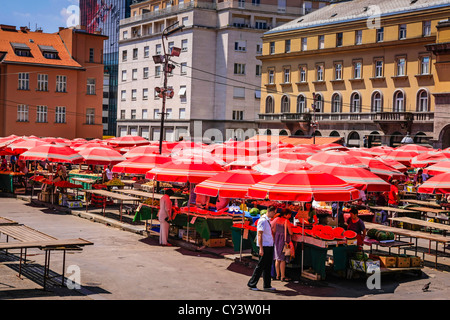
(403, 261)
(386, 261)
(367, 266)
(416, 261)
(215, 242)
(74, 204)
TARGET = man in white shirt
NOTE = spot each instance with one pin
(164, 216)
(265, 244)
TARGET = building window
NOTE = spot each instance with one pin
(41, 114)
(258, 70)
(144, 114)
(90, 86)
(134, 74)
(336, 103)
(24, 81)
(401, 66)
(358, 37)
(122, 114)
(22, 113)
(402, 32)
(156, 114)
(133, 95)
(259, 48)
(146, 51)
(272, 48)
(319, 73)
(380, 34)
(42, 82)
(422, 101)
(145, 73)
(339, 39)
(133, 114)
(377, 102)
(124, 75)
(135, 54)
(321, 41)
(426, 28)
(123, 95)
(184, 45)
(378, 68)
(302, 73)
(61, 83)
(60, 115)
(124, 55)
(285, 105)
(304, 44)
(157, 71)
(90, 116)
(239, 92)
(301, 104)
(145, 94)
(182, 113)
(91, 55)
(269, 105)
(287, 46)
(355, 103)
(338, 71)
(357, 70)
(183, 68)
(425, 65)
(399, 102)
(239, 68)
(158, 49)
(287, 75)
(260, 24)
(238, 115)
(182, 94)
(318, 103)
(125, 35)
(271, 75)
(240, 46)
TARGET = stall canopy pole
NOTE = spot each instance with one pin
(189, 209)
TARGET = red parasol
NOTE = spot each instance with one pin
(381, 150)
(52, 153)
(394, 163)
(144, 150)
(436, 184)
(231, 184)
(303, 186)
(184, 170)
(414, 148)
(275, 166)
(360, 178)
(335, 156)
(128, 140)
(25, 145)
(381, 169)
(101, 156)
(141, 164)
(425, 159)
(438, 168)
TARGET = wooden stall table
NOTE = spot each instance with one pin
(392, 211)
(145, 194)
(413, 234)
(6, 222)
(108, 194)
(423, 203)
(423, 223)
(440, 214)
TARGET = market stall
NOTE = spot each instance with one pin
(11, 181)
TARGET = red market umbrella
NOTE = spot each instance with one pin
(393, 164)
(360, 178)
(67, 184)
(230, 153)
(184, 170)
(275, 166)
(337, 157)
(381, 169)
(425, 159)
(243, 163)
(414, 148)
(294, 156)
(144, 150)
(231, 184)
(356, 152)
(25, 145)
(438, 168)
(92, 145)
(303, 186)
(140, 164)
(52, 153)
(128, 140)
(197, 155)
(436, 184)
(101, 156)
(381, 150)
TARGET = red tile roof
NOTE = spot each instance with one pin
(297, 140)
(33, 40)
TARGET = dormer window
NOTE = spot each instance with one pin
(49, 52)
(21, 49)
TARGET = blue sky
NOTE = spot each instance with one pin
(47, 14)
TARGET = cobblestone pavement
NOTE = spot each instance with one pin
(124, 265)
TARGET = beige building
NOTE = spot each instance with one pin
(374, 69)
(217, 76)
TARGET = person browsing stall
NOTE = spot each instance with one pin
(164, 216)
(354, 223)
(264, 241)
(282, 230)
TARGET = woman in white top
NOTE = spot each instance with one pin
(164, 216)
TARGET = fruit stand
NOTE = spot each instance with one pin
(10, 181)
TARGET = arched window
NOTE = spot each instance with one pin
(399, 101)
(422, 101)
(377, 102)
(283, 133)
(301, 104)
(319, 102)
(269, 105)
(334, 134)
(317, 133)
(336, 103)
(299, 133)
(396, 139)
(285, 105)
(353, 139)
(355, 103)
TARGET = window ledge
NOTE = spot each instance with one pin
(301, 83)
(378, 79)
(356, 80)
(424, 76)
(337, 81)
(319, 82)
(286, 84)
(270, 84)
(399, 77)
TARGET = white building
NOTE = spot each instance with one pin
(217, 80)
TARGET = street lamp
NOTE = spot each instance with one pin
(165, 92)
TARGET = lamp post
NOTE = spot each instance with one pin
(165, 92)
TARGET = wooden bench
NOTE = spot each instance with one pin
(423, 223)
